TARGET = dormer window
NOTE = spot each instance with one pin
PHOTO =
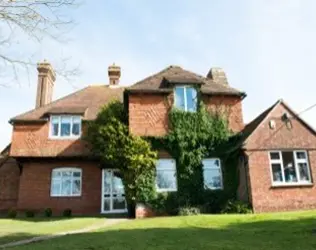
(65, 126)
(185, 98)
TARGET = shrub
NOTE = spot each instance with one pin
(29, 213)
(166, 203)
(67, 212)
(12, 213)
(48, 212)
(236, 207)
(189, 211)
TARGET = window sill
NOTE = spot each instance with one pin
(68, 138)
(166, 190)
(65, 196)
(284, 185)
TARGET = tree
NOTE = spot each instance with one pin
(37, 19)
(111, 142)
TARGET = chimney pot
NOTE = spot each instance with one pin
(45, 85)
(114, 73)
(217, 75)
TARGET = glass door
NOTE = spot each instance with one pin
(113, 195)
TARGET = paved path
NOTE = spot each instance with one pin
(107, 223)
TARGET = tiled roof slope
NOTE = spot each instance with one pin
(87, 101)
(175, 74)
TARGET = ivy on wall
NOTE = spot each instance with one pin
(192, 137)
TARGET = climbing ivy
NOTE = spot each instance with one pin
(192, 137)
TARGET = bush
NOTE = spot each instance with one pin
(29, 213)
(166, 203)
(236, 207)
(48, 212)
(189, 211)
(12, 213)
(67, 212)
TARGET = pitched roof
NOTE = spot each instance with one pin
(87, 101)
(162, 82)
(251, 127)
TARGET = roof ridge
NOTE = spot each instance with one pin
(51, 103)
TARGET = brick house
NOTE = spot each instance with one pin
(58, 171)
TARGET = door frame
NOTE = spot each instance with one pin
(117, 211)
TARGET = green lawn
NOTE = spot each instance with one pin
(22, 228)
(266, 231)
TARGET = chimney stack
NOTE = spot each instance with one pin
(114, 74)
(45, 85)
(218, 75)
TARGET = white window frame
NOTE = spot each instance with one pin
(61, 170)
(296, 161)
(159, 190)
(213, 168)
(59, 117)
(185, 97)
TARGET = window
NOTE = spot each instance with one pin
(212, 174)
(65, 126)
(66, 182)
(186, 98)
(166, 179)
(289, 167)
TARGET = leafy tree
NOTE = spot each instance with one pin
(116, 148)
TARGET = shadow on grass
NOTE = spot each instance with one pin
(272, 234)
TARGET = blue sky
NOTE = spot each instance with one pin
(266, 47)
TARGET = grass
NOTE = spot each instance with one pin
(22, 228)
(226, 232)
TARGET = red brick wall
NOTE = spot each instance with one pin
(35, 184)
(266, 198)
(148, 113)
(297, 136)
(33, 140)
(9, 184)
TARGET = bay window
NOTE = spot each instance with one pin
(212, 174)
(65, 126)
(66, 182)
(166, 178)
(289, 167)
(186, 98)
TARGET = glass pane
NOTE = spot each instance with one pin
(166, 179)
(56, 174)
(300, 155)
(106, 205)
(76, 129)
(117, 184)
(303, 169)
(55, 187)
(55, 129)
(66, 174)
(277, 173)
(66, 187)
(211, 163)
(107, 182)
(76, 174)
(212, 178)
(179, 98)
(289, 168)
(76, 187)
(65, 126)
(274, 156)
(119, 203)
(191, 99)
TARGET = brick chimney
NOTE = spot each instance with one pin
(114, 74)
(217, 75)
(45, 85)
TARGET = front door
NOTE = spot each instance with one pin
(113, 195)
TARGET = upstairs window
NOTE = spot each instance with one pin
(66, 182)
(212, 174)
(186, 98)
(289, 167)
(65, 126)
(166, 179)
